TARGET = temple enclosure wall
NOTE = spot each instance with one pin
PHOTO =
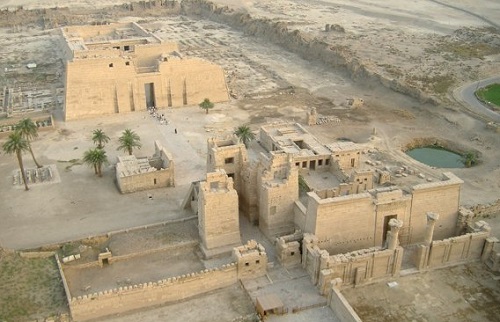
(173, 289)
(249, 261)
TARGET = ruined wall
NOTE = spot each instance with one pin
(160, 174)
(353, 268)
(361, 267)
(218, 217)
(249, 198)
(455, 250)
(278, 188)
(441, 197)
(228, 154)
(139, 296)
(306, 46)
(145, 181)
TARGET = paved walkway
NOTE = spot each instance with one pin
(465, 95)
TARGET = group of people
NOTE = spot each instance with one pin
(153, 111)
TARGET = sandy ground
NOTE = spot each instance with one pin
(229, 304)
(400, 40)
(460, 293)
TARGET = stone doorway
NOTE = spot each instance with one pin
(149, 89)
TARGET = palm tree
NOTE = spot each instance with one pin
(128, 141)
(29, 131)
(206, 105)
(17, 144)
(95, 158)
(244, 134)
(100, 138)
(469, 159)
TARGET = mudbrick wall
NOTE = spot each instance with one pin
(299, 43)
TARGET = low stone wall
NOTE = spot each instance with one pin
(338, 303)
(36, 254)
(455, 250)
(360, 267)
(63, 278)
(44, 123)
(354, 268)
(123, 299)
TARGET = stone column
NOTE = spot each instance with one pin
(429, 231)
(392, 240)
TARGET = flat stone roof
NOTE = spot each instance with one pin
(83, 38)
(343, 146)
(130, 165)
(293, 138)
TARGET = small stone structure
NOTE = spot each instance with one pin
(105, 258)
(136, 174)
(251, 260)
(121, 67)
(269, 304)
(288, 250)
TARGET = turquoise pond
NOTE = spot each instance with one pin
(436, 157)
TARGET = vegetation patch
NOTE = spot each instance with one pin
(303, 186)
(72, 162)
(456, 50)
(31, 288)
(490, 95)
(438, 84)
